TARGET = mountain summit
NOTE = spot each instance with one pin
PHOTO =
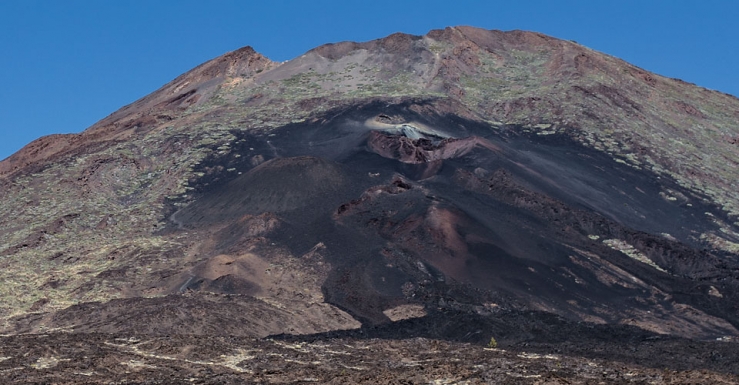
(461, 185)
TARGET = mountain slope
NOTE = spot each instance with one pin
(478, 171)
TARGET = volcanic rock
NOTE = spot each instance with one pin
(419, 195)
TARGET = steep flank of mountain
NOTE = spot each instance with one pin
(161, 106)
(466, 171)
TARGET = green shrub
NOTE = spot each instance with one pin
(493, 343)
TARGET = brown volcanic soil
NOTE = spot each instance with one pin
(207, 314)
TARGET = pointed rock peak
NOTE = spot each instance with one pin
(243, 62)
(243, 52)
(189, 89)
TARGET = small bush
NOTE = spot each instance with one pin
(493, 343)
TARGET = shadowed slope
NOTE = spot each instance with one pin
(501, 215)
(278, 185)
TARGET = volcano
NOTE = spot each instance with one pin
(463, 188)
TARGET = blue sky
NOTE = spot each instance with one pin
(67, 64)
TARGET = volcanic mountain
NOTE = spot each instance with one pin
(458, 186)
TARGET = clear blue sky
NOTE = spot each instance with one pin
(66, 64)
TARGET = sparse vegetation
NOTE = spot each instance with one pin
(493, 344)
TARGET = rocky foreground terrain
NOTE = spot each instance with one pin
(467, 206)
(110, 358)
